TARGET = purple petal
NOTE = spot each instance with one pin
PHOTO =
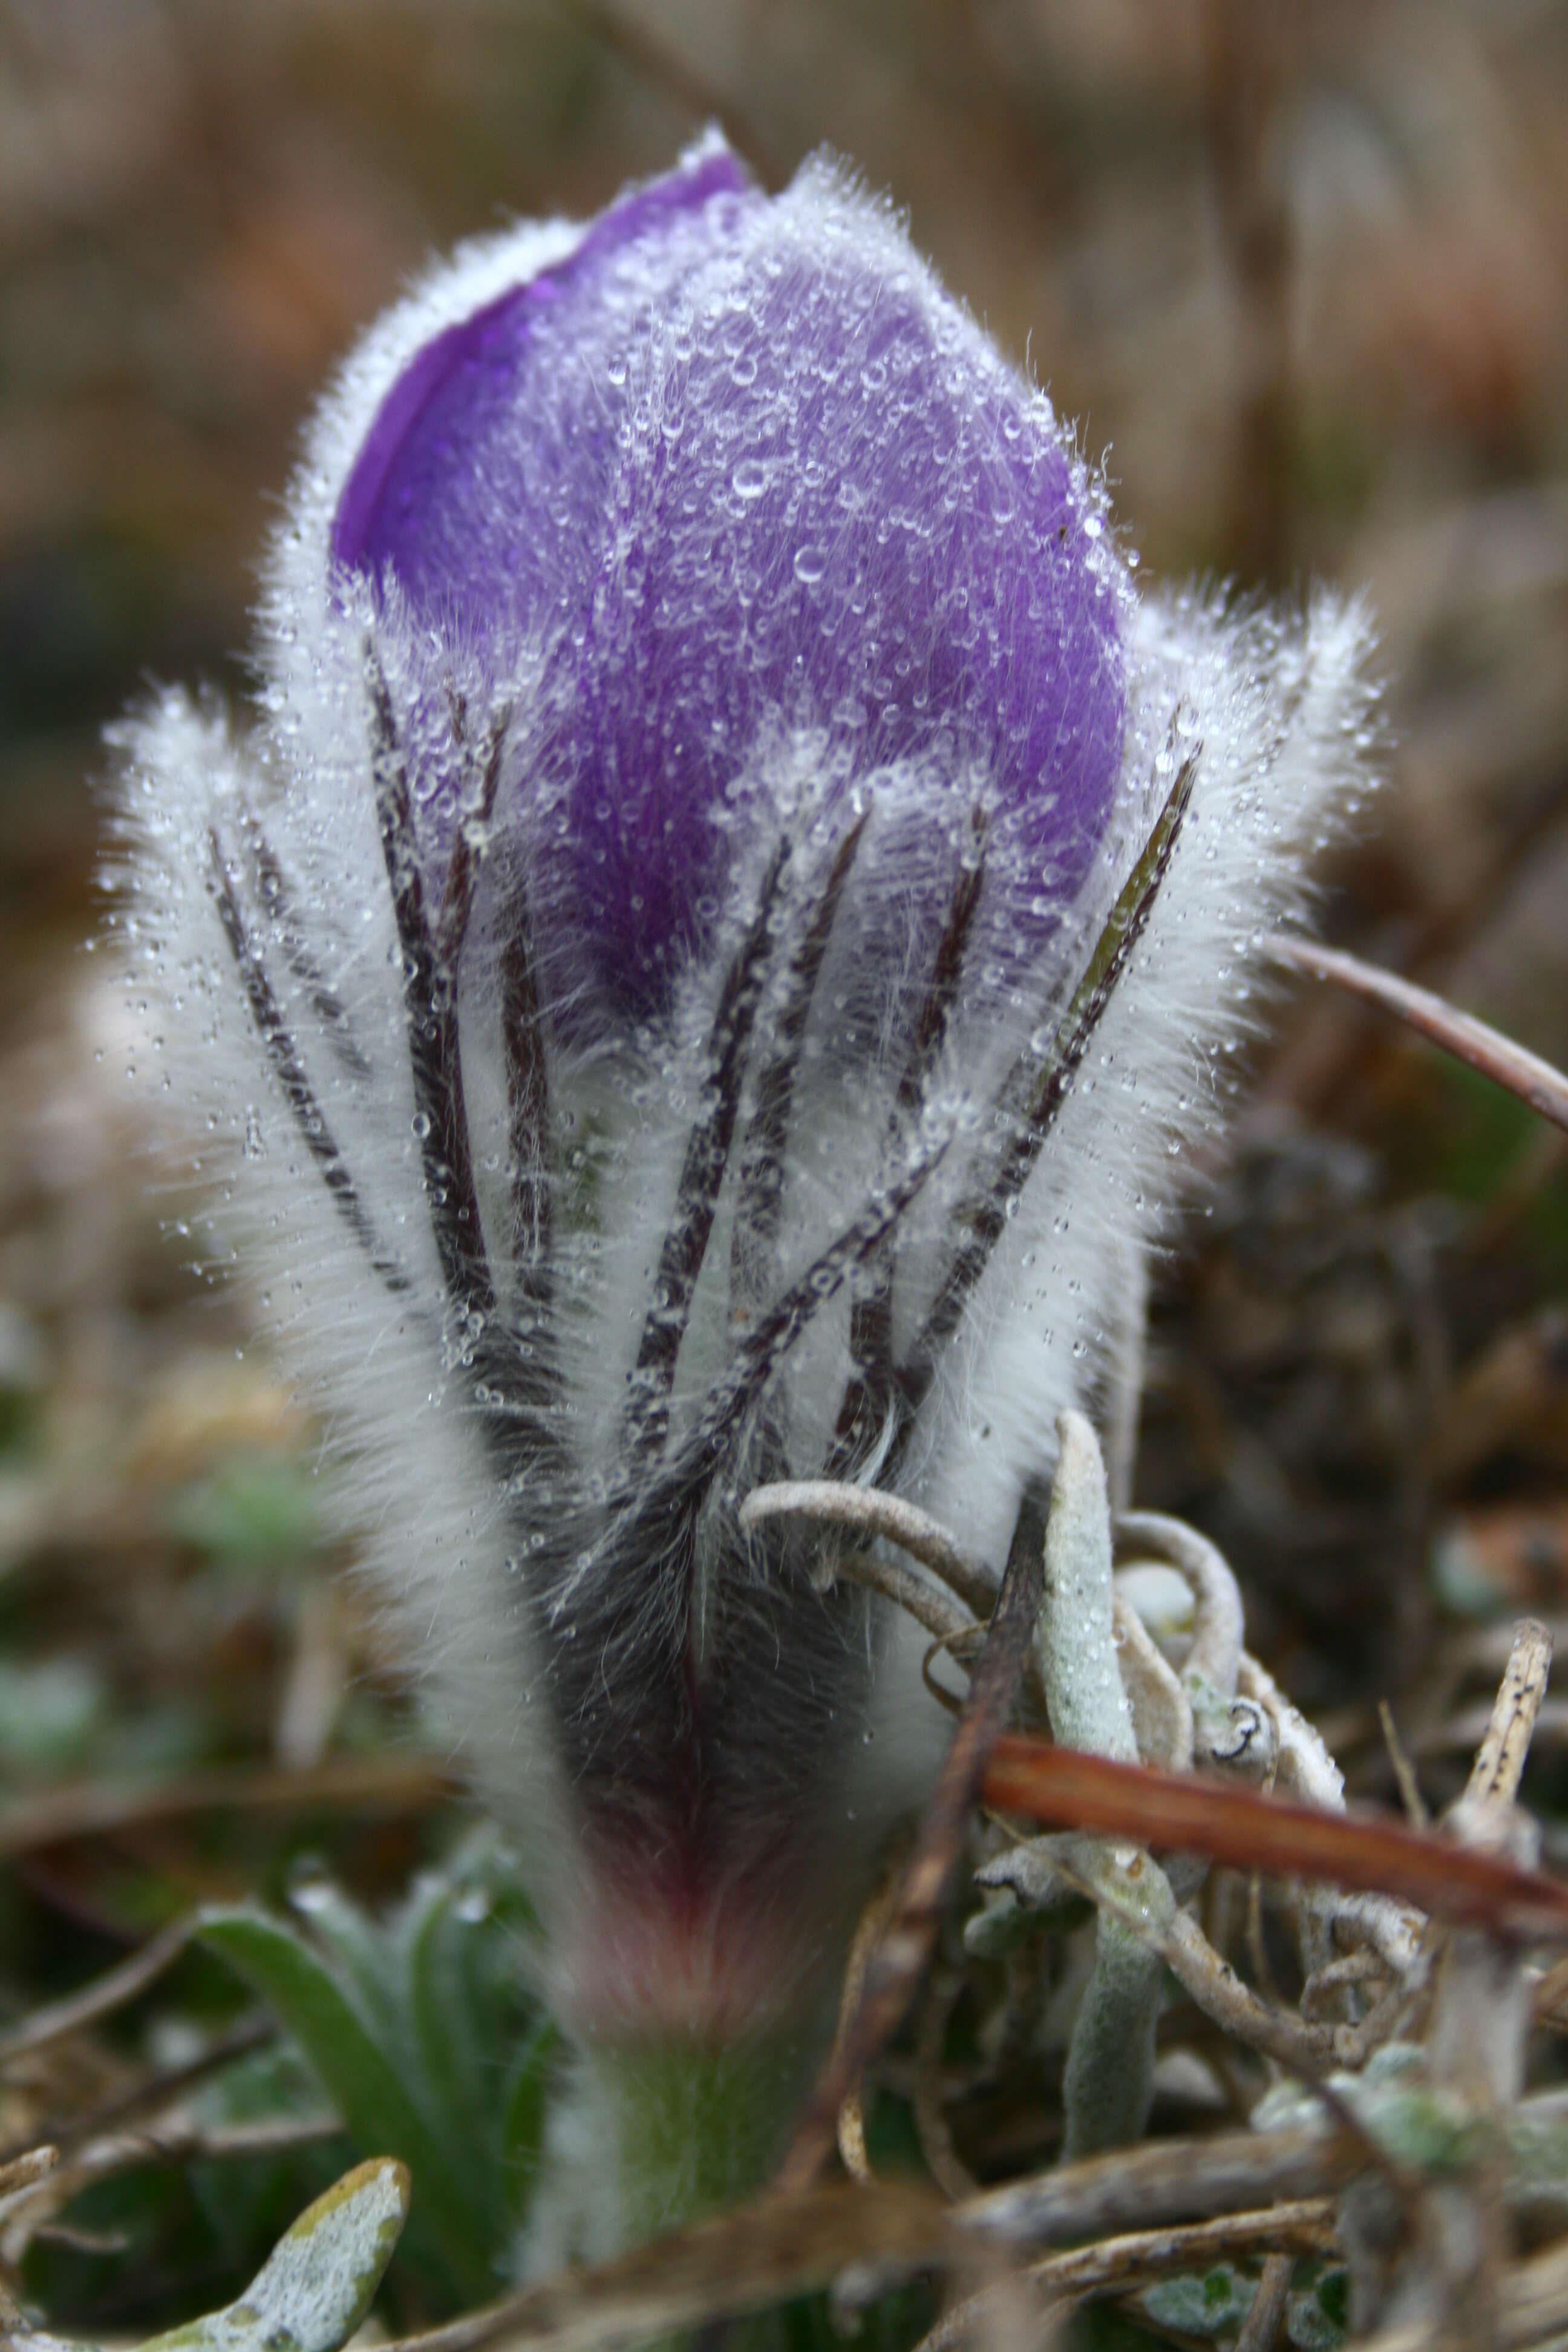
(737, 470)
(480, 436)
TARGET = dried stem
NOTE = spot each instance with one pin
(1261, 2329)
(1117, 2265)
(867, 1512)
(1171, 1811)
(1485, 1049)
(60, 2019)
(380, 1784)
(787, 2245)
(903, 1952)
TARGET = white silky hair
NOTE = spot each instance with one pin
(1273, 712)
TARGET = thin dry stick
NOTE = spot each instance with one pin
(1173, 1812)
(1497, 1057)
(738, 2262)
(787, 2245)
(896, 1965)
(656, 62)
(1260, 2329)
(1163, 2182)
(867, 1512)
(942, 2158)
(160, 2089)
(1215, 1988)
(1409, 1788)
(389, 1784)
(24, 2171)
(29, 2209)
(867, 1929)
(943, 1618)
(100, 1999)
(1117, 2265)
(1500, 1762)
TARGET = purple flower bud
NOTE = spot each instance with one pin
(705, 964)
(734, 466)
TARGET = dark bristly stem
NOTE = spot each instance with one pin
(290, 1071)
(907, 1943)
(526, 1101)
(462, 874)
(278, 906)
(760, 1187)
(869, 1395)
(430, 991)
(1034, 1092)
(701, 1174)
(720, 1425)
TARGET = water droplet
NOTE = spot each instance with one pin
(749, 479)
(810, 563)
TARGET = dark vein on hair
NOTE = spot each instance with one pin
(468, 847)
(702, 1174)
(278, 906)
(759, 1200)
(1034, 1092)
(290, 1071)
(869, 1394)
(430, 997)
(528, 1102)
(720, 1424)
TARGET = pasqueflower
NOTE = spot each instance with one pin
(644, 963)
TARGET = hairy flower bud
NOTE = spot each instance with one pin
(705, 961)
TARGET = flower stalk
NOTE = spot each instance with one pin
(699, 972)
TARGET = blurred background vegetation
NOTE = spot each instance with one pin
(1300, 267)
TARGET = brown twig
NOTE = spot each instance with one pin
(656, 62)
(1242, 76)
(931, 2122)
(790, 2244)
(1404, 1770)
(157, 2090)
(106, 1993)
(867, 1512)
(1261, 2329)
(896, 1965)
(868, 1928)
(173, 2142)
(1470, 1041)
(394, 1784)
(1063, 1788)
(1116, 2265)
